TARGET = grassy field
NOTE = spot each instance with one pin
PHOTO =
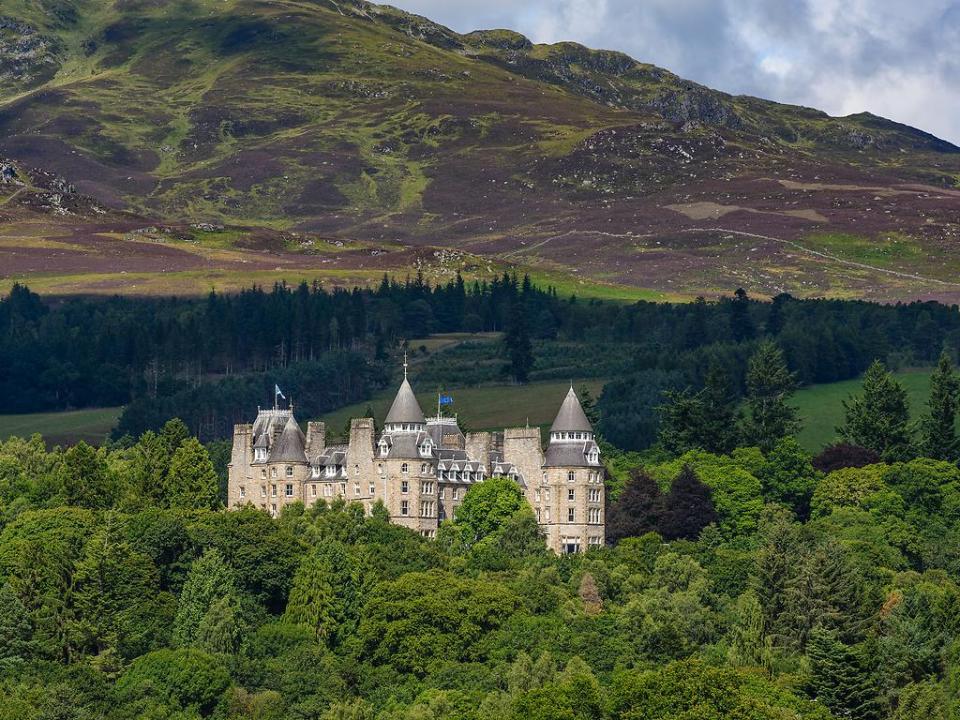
(492, 407)
(62, 428)
(821, 406)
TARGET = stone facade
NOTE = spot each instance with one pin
(420, 468)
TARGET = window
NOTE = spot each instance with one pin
(331, 470)
(373, 488)
(571, 494)
(423, 468)
(288, 490)
(594, 516)
(593, 541)
(571, 476)
(404, 507)
(547, 512)
(315, 472)
(570, 546)
(404, 468)
(263, 474)
(404, 486)
(328, 490)
(594, 494)
(289, 471)
(536, 495)
(313, 491)
(273, 491)
(538, 514)
(356, 469)
(594, 456)
(273, 509)
(571, 514)
(356, 489)
(456, 493)
(260, 454)
(243, 491)
(273, 472)
(263, 491)
(426, 488)
(426, 509)
(343, 489)
(546, 494)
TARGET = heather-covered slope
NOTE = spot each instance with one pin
(301, 125)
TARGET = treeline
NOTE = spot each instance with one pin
(168, 354)
(749, 584)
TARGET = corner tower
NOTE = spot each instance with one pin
(573, 487)
(407, 464)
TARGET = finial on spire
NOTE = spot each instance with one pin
(404, 364)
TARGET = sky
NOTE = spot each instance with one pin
(896, 58)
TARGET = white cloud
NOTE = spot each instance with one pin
(893, 58)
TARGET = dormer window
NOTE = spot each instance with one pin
(315, 471)
(260, 454)
(331, 470)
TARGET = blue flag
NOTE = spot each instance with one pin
(446, 399)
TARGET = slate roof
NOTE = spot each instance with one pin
(569, 454)
(405, 408)
(289, 447)
(571, 417)
(407, 445)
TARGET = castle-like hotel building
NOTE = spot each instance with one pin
(420, 468)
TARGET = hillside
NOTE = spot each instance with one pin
(158, 146)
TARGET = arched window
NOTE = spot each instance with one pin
(571, 476)
(289, 471)
(404, 468)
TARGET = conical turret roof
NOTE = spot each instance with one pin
(571, 417)
(290, 445)
(405, 408)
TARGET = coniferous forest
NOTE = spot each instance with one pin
(743, 577)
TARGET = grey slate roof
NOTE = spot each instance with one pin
(571, 417)
(405, 408)
(289, 447)
(569, 454)
(407, 445)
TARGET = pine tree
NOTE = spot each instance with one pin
(688, 508)
(221, 629)
(85, 478)
(192, 481)
(311, 601)
(16, 632)
(327, 593)
(748, 643)
(741, 324)
(517, 341)
(210, 579)
(706, 420)
(174, 432)
(637, 510)
(878, 419)
(769, 385)
(839, 680)
(938, 427)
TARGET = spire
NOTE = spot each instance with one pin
(405, 408)
(571, 417)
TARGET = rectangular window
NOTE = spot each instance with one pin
(288, 490)
(373, 488)
(263, 491)
(547, 511)
(536, 496)
(273, 509)
(593, 541)
(571, 514)
(289, 471)
(273, 491)
(595, 516)
(313, 491)
(456, 493)
(343, 489)
(243, 491)
(538, 514)
(426, 488)
(356, 489)
(404, 486)
(404, 507)
(546, 494)
(594, 494)
(571, 494)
